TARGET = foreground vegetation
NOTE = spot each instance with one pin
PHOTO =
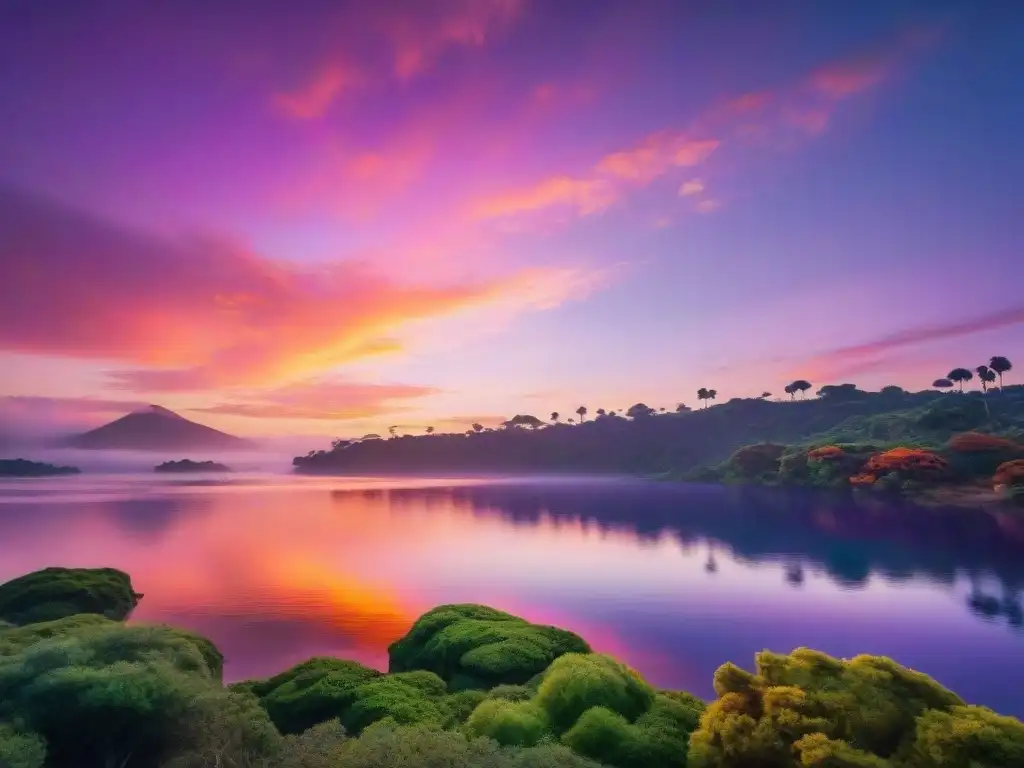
(26, 468)
(467, 686)
(688, 444)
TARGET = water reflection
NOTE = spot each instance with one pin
(674, 580)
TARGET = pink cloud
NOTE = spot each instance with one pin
(847, 78)
(322, 400)
(419, 40)
(201, 313)
(314, 98)
(878, 353)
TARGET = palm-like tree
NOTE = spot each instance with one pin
(1000, 365)
(788, 389)
(702, 394)
(582, 413)
(712, 394)
(554, 416)
(960, 375)
(942, 384)
(430, 430)
(391, 430)
(986, 375)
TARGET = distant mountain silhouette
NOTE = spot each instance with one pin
(154, 428)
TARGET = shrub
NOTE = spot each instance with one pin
(386, 746)
(976, 442)
(110, 692)
(54, 593)
(909, 463)
(815, 706)
(312, 692)
(479, 647)
(17, 639)
(751, 461)
(405, 698)
(574, 683)
(969, 736)
(19, 749)
(520, 724)
(826, 453)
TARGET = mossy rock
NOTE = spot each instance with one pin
(473, 646)
(55, 593)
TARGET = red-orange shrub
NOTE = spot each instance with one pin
(826, 453)
(976, 442)
(863, 479)
(1010, 473)
(912, 463)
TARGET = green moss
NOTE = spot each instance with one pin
(54, 593)
(14, 640)
(406, 698)
(577, 682)
(312, 692)
(476, 646)
(519, 724)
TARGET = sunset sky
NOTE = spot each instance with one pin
(325, 218)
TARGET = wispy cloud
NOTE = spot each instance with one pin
(313, 98)
(691, 187)
(202, 313)
(878, 353)
(322, 400)
(419, 39)
(608, 180)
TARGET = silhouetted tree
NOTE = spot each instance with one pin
(639, 411)
(523, 420)
(702, 394)
(391, 430)
(682, 408)
(662, 409)
(430, 430)
(572, 421)
(372, 436)
(1000, 365)
(554, 416)
(942, 384)
(765, 395)
(801, 386)
(960, 375)
(986, 375)
(601, 412)
(789, 390)
(478, 428)
(582, 412)
(712, 394)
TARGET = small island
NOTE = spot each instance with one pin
(26, 468)
(187, 465)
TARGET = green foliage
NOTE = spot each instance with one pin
(405, 698)
(386, 746)
(520, 724)
(477, 646)
(111, 692)
(54, 593)
(868, 705)
(20, 749)
(513, 692)
(576, 682)
(312, 692)
(967, 736)
(14, 640)
(462, 703)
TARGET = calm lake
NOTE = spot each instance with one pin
(672, 579)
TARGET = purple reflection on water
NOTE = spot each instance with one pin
(673, 579)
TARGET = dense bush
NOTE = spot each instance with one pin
(600, 708)
(312, 692)
(20, 749)
(473, 646)
(16, 639)
(753, 461)
(54, 593)
(103, 693)
(808, 708)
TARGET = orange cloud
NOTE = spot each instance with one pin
(638, 165)
(314, 98)
(201, 314)
(418, 42)
(322, 400)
